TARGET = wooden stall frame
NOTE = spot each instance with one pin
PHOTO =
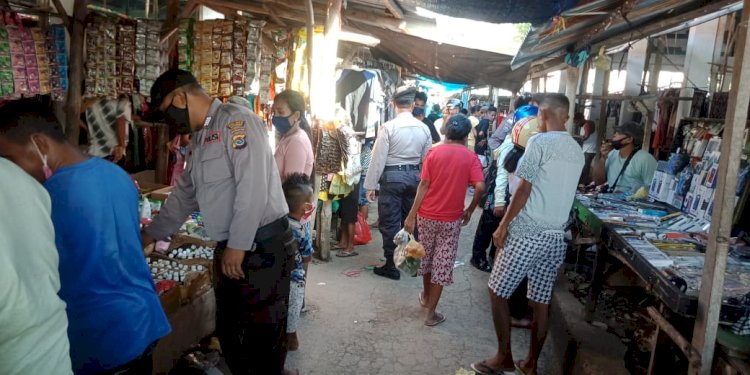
(712, 282)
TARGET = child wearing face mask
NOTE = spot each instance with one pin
(299, 194)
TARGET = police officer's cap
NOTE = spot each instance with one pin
(164, 85)
(405, 94)
(453, 103)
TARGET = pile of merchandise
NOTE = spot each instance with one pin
(58, 62)
(31, 63)
(120, 51)
(150, 61)
(220, 53)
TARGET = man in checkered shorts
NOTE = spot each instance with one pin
(530, 236)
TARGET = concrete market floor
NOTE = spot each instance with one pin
(371, 325)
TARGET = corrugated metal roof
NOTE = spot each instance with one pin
(494, 11)
(445, 62)
(645, 18)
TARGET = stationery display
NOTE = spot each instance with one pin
(672, 242)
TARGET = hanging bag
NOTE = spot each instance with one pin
(362, 234)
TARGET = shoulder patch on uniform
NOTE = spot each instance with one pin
(237, 127)
(239, 141)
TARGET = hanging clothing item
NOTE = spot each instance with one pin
(666, 107)
(352, 163)
(327, 150)
(353, 92)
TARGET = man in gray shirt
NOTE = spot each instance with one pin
(397, 156)
(232, 176)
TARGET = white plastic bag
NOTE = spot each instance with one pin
(405, 262)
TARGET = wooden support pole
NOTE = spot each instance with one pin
(394, 9)
(44, 20)
(653, 88)
(570, 92)
(74, 98)
(173, 11)
(583, 82)
(322, 102)
(162, 155)
(712, 281)
(601, 124)
(310, 36)
(682, 343)
(63, 14)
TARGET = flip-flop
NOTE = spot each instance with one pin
(440, 319)
(421, 300)
(346, 254)
(519, 370)
(481, 368)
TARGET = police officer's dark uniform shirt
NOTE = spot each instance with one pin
(231, 176)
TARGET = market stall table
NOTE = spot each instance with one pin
(673, 276)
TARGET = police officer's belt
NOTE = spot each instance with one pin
(272, 230)
(413, 167)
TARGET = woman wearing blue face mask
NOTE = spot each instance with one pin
(294, 153)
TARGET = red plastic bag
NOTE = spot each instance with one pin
(362, 234)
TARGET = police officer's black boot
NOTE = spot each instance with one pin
(388, 270)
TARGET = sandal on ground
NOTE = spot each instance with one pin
(346, 254)
(439, 318)
(481, 368)
(421, 300)
(519, 369)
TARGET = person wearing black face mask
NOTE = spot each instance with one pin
(232, 176)
(420, 100)
(294, 153)
(628, 169)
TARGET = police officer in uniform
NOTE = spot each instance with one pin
(232, 177)
(400, 148)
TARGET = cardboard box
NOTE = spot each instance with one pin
(161, 194)
(171, 300)
(197, 284)
(146, 181)
(178, 240)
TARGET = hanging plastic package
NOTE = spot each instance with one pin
(409, 253)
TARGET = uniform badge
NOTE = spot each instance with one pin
(236, 127)
(239, 142)
(212, 137)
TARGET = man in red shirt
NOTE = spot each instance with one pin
(447, 172)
